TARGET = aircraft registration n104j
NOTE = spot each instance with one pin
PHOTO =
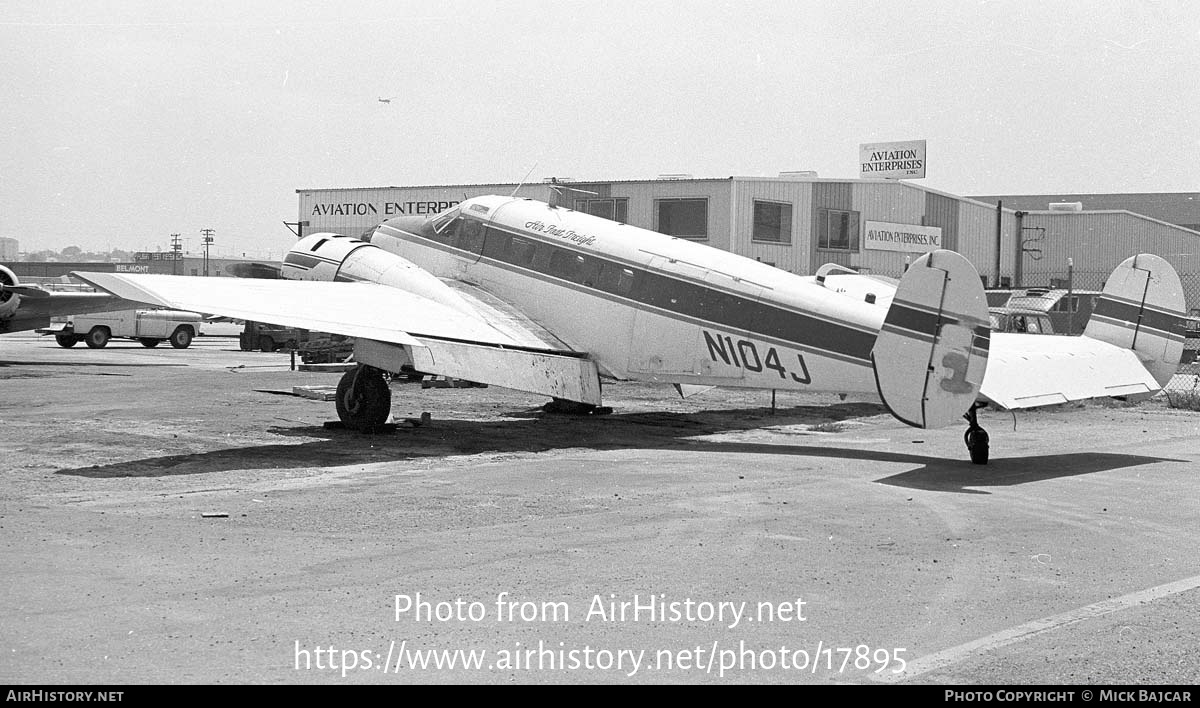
(517, 293)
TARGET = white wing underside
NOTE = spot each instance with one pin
(364, 310)
(1027, 370)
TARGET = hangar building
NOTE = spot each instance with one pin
(798, 222)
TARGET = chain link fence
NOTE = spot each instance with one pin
(1183, 390)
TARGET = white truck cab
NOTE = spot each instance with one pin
(150, 327)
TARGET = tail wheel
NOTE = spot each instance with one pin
(97, 337)
(977, 445)
(363, 398)
(181, 338)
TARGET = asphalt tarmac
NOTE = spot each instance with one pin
(170, 516)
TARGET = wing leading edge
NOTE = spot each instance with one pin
(364, 310)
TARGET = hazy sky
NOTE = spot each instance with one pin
(123, 122)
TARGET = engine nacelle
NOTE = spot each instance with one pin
(9, 301)
(346, 259)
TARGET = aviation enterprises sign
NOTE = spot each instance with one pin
(884, 236)
(902, 160)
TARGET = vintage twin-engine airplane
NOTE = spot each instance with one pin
(517, 293)
(24, 307)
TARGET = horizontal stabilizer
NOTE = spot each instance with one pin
(932, 352)
(1028, 370)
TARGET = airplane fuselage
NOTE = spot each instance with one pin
(643, 305)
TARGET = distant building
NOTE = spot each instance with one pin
(8, 249)
(798, 221)
(1179, 208)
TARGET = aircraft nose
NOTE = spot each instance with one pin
(410, 224)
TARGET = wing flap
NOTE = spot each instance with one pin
(1028, 370)
(505, 317)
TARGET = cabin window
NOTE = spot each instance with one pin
(837, 230)
(684, 218)
(772, 222)
(616, 279)
(521, 251)
(612, 209)
(469, 236)
(566, 264)
(625, 282)
(496, 244)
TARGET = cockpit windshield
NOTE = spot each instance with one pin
(443, 220)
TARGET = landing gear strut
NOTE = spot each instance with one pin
(363, 398)
(976, 437)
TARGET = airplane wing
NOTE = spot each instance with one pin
(1027, 370)
(35, 306)
(365, 310)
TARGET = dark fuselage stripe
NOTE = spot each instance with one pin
(641, 286)
(1125, 311)
(903, 315)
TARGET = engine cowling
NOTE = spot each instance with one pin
(326, 256)
(9, 301)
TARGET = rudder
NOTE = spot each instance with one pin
(1141, 309)
(931, 353)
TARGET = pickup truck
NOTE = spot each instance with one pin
(150, 327)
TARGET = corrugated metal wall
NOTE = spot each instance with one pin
(1098, 241)
(791, 255)
(892, 202)
(829, 195)
(718, 193)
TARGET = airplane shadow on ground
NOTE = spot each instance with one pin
(533, 431)
(23, 364)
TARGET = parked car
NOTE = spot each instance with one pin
(1011, 319)
(268, 337)
(150, 327)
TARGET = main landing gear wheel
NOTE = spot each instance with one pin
(976, 437)
(363, 398)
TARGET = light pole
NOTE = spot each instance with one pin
(208, 239)
(176, 250)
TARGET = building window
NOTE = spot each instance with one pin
(837, 230)
(772, 222)
(685, 218)
(611, 209)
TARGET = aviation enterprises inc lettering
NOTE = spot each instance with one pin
(907, 238)
(900, 160)
(418, 208)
